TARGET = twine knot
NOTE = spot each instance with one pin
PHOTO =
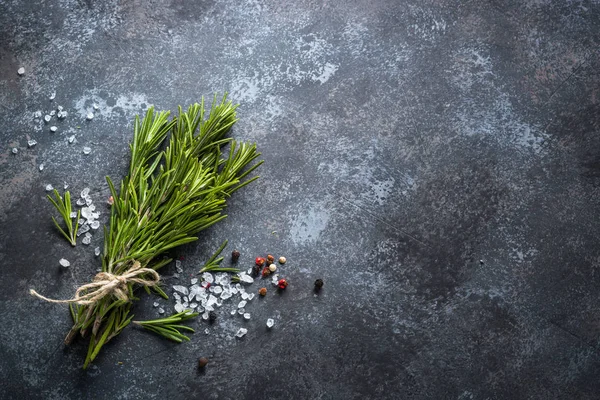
(106, 284)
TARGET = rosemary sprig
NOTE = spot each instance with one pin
(214, 263)
(168, 196)
(64, 209)
(169, 327)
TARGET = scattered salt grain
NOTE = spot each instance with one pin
(161, 311)
(41, 167)
(65, 263)
(21, 71)
(49, 188)
(208, 277)
(178, 266)
(242, 304)
(52, 113)
(87, 150)
(95, 225)
(15, 150)
(97, 251)
(95, 106)
(270, 323)
(71, 139)
(31, 143)
(247, 316)
(90, 116)
(53, 129)
(47, 118)
(181, 289)
(52, 95)
(246, 278)
(194, 281)
(155, 304)
(86, 240)
(241, 332)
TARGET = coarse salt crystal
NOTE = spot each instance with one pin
(241, 332)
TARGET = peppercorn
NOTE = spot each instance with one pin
(282, 260)
(259, 261)
(202, 362)
(318, 284)
(266, 272)
(255, 270)
(282, 284)
(110, 201)
(270, 259)
(272, 267)
(262, 291)
(212, 317)
(235, 255)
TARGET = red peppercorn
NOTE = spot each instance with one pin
(282, 284)
(270, 259)
(266, 271)
(259, 261)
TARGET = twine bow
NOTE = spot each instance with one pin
(106, 284)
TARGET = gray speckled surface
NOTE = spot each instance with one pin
(403, 141)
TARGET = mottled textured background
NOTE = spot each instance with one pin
(404, 141)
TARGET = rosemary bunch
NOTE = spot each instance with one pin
(63, 206)
(214, 263)
(167, 197)
(169, 327)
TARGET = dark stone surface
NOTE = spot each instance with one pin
(404, 141)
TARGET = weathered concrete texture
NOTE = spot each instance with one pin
(404, 141)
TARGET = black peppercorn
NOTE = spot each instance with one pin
(235, 255)
(318, 284)
(202, 362)
(255, 270)
(212, 316)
